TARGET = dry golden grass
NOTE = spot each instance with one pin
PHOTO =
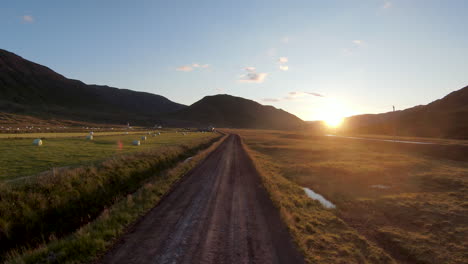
(419, 215)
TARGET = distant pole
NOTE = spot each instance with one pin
(394, 124)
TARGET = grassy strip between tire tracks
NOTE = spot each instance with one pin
(320, 235)
(94, 238)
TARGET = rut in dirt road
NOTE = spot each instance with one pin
(219, 213)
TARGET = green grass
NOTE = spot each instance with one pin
(19, 157)
(56, 203)
(422, 215)
(92, 240)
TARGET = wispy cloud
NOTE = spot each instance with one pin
(295, 95)
(27, 19)
(270, 100)
(252, 76)
(191, 67)
(387, 5)
(358, 42)
(196, 65)
(291, 96)
(285, 40)
(185, 68)
(281, 62)
(283, 59)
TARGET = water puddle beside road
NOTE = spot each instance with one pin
(385, 140)
(315, 196)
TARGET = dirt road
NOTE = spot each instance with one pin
(219, 213)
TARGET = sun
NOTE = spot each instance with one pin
(333, 113)
(334, 121)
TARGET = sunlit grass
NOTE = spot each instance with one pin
(408, 199)
(18, 157)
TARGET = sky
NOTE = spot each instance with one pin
(311, 58)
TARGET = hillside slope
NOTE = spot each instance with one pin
(30, 88)
(444, 118)
(230, 111)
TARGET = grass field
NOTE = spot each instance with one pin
(90, 241)
(19, 157)
(409, 200)
(55, 203)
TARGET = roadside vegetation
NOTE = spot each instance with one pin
(407, 202)
(20, 158)
(56, 203)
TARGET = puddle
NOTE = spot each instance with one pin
(380, 186)
(385, 140)
(315, 196)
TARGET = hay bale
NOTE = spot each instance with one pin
(89, 137)
(136, 143)
(143, 138)
(126, 133)
(37, 142)
(91, 133)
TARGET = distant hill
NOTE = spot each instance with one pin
(444, 118)
(236, 112)
(30, 88)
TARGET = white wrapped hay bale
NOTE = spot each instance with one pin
(89, 137)
(143, 138)
(126, 133)
(136, 143)
(91, 133)
(159, 133)
(37, 142)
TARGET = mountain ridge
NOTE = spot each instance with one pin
(446, 117)
(29, 88)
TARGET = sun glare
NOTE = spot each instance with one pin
(333, 121)
(334, 113)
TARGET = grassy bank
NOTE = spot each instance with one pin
(409, 200)
(20, 158)
(92, 240)
(57, 203)
(319, 233)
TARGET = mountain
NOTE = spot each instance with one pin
(443, 118)
(30, 88)
(27, 88)
(236, 112)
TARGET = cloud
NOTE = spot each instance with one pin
(358, 42)
(285, 40)
(293, 95)
(283, 59)
(284, 67)
(196, 65)
(387, 5)
(271, 100)
(27, 19)
(252, 76)
(185, 68)
(193, 66)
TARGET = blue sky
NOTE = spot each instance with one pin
(362, 56)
